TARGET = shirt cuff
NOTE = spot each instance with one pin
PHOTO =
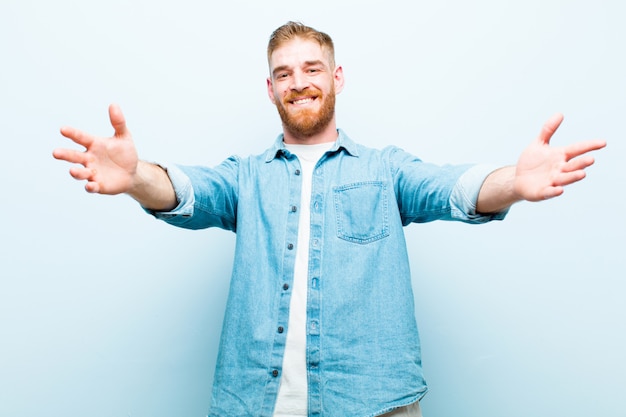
(184, 194)
(465, 195)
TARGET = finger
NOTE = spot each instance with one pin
(579, 163)
(568, 178)
(118, 121)
(77, 136)
(576, 149)
(92, 187)
(549, 128)
(70, 155)
(551, 192)
(81, 173)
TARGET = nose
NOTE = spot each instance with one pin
(299, 81)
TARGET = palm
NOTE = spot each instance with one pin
(542, 171)
(108, 164)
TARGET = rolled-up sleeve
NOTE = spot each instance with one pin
(184, 194)
(207, 197)
(465, 195)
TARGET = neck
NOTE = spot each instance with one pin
(329, 134)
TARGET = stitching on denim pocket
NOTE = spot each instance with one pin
(362, 211)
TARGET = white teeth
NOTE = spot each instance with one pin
(303, 101)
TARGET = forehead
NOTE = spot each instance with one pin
(296, 52)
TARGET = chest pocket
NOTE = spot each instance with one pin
(362, 211)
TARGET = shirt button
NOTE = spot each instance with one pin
(297, 172)
(294, 209)
(285, 287)
(274, 373)
(290, 246)
(281, 329)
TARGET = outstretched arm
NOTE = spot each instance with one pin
(541, 171)
(111, 166)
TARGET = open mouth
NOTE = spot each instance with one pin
(303, 101)
(300, 99)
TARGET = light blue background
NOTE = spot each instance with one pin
(105, 312)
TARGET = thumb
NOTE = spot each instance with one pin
(118, 121)
(549, 128)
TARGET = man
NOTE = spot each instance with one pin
(320, 316)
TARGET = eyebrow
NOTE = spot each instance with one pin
(279, 69)
(306, 64)
(314, 63)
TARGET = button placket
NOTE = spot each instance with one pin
(314, 301)
(284, 286)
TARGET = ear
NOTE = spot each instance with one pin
(270, 90)
(339, 79)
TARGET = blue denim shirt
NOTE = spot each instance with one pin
(363, 349)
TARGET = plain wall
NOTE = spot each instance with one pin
(105, 311)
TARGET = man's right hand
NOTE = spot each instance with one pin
(108, 164)
(111, 165)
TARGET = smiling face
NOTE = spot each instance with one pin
(303, 84)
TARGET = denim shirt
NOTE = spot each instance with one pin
(363, 349)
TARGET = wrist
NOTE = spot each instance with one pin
(151, 187)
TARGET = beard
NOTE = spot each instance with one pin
(307, 122)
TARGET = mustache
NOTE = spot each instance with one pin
(297, 95)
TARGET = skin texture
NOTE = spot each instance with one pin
(111, 166)
(303, 85)
(541, 171)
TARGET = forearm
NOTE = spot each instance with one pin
(497, 192)
(152, 188)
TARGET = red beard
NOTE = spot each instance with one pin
(307, 122)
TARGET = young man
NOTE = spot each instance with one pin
(320, 316)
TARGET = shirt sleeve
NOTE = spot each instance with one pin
(184, 194)
(465, 195)
(182, 189)
(428, 192)
(207, 197)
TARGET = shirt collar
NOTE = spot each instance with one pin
(342, 142)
